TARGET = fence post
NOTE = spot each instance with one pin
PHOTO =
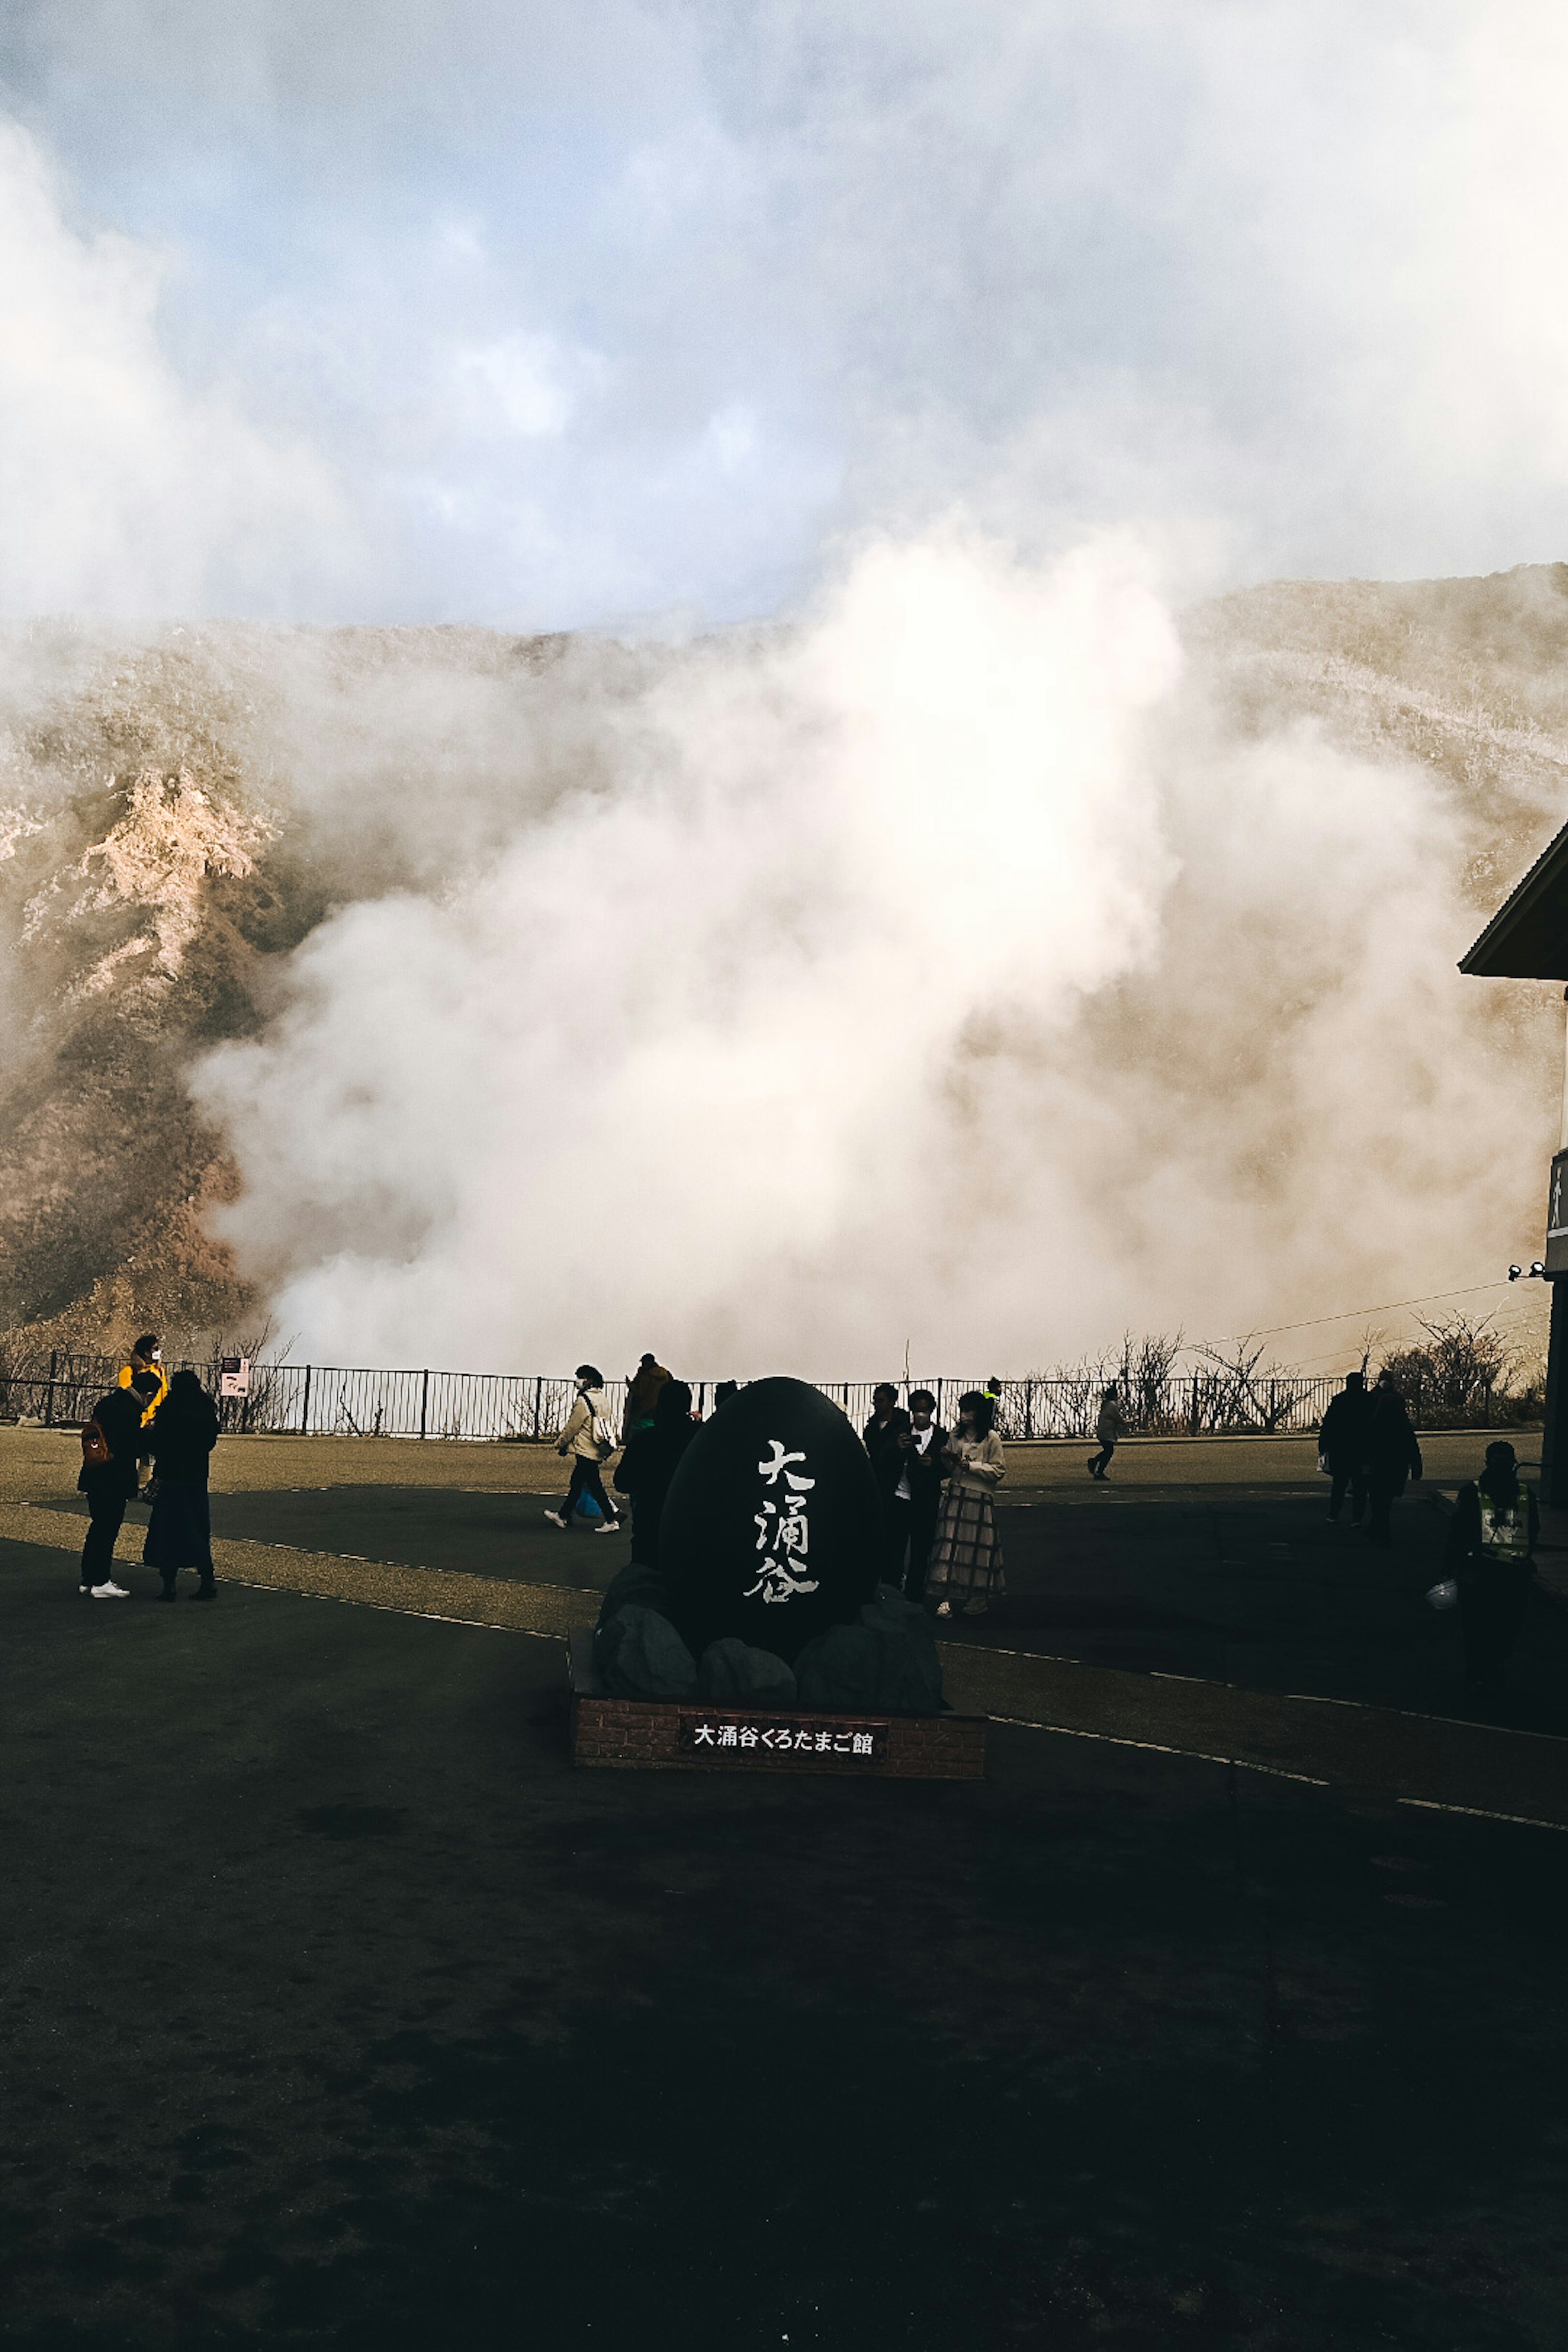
(538, 1394)
(1194, 1430)
(49, 1398)
(424, 1399)
(305, 1407)
(1029, 1408)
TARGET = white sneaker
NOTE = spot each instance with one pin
(108, 1592)
(944, 1607)
(556, 1520)
(608, 1528)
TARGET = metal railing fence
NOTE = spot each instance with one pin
(330, 1400)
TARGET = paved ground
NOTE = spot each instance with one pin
(341, 2013)
(1224, 1584)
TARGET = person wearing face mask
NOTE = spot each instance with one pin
(919, 1486)
(965, 1572)
(148, 1382)
(588, 1440)
(145, 1375)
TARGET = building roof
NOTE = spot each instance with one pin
(1527, 939)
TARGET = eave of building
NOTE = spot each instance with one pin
(1527, 939)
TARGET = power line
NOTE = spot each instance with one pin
(1352, 1314)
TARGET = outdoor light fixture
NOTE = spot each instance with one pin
(1537, 1272)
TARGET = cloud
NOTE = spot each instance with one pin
(126, 489)
(1274, 279)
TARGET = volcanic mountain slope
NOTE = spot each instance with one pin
(1470, 678)
(157, 859)
(178, 811)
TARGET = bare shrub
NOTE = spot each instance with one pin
(1460, 1373)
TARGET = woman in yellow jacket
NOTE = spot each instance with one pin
(145, 1374)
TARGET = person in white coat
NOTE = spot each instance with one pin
(587, 1440)
(965, 1572)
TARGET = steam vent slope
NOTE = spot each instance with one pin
(179, 809)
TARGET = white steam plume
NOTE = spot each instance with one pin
(941, 971)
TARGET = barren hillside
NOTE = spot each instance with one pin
(178, 811)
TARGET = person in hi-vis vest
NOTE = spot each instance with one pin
(1491, 1547)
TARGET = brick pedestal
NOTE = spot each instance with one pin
(686, 1735)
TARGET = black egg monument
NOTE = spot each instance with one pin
(772, 1524)
(765, 1587)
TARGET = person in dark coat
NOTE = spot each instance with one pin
(1342, 1442)
(1491, 1546)
(651, 1458)
(884, 1437)
(108, 1487)
(642, 1394)
(1393, 1455)
(921, 1486)
(182, 1432)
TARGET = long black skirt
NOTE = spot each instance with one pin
(180, 1532)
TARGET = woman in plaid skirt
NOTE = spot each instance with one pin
(966, 1557)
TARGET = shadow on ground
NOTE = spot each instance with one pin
(341, 2012)
(1232, 1586)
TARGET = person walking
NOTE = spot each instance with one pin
(586, 1438)
(1110, 1426)
(1393, 1455)
(110, 1440)
(642, 1394)
(651, 1459)
(965, 1571)
(884, 1437)
(184, 1432)
(1342, 1439)
(919, 1486)
(1491, 1546)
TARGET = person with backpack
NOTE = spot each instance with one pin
(590, 1440)
(1491, 1546)
(110, 1441)
(184, 1432)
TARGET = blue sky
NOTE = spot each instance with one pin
(546, 314)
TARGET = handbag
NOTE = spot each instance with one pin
(95, 1453)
